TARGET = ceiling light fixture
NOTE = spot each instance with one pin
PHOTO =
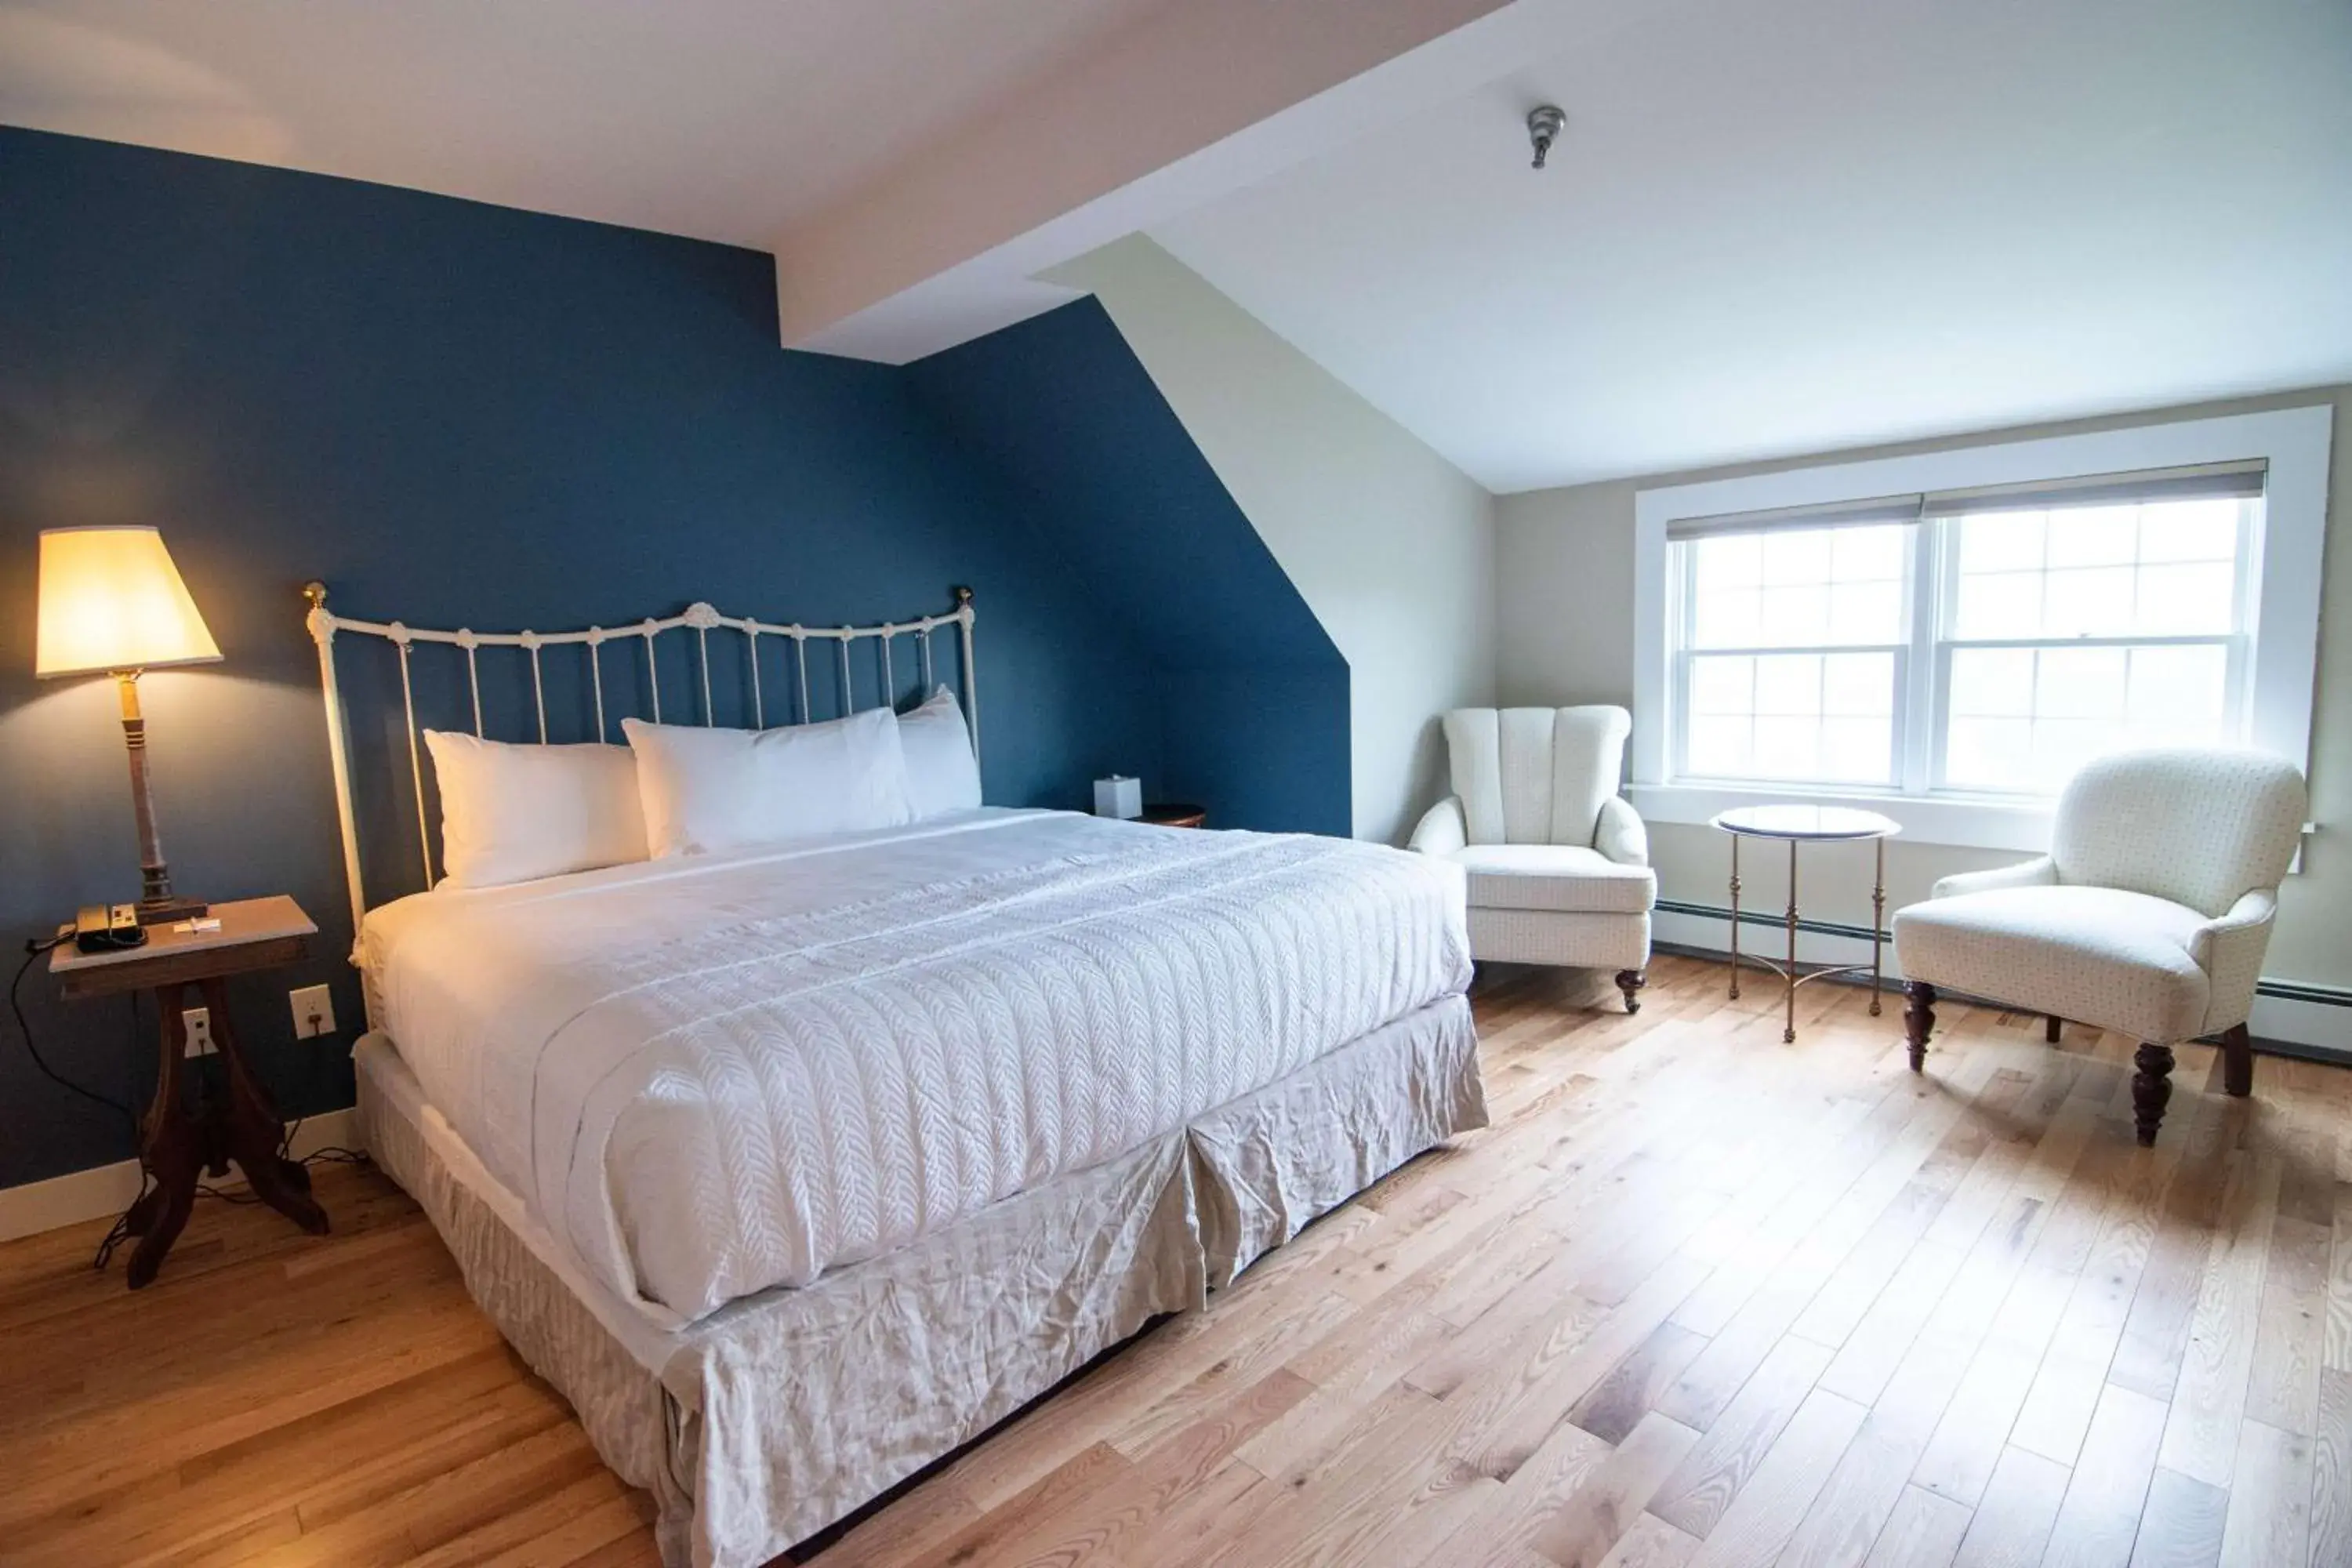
(1544, 126)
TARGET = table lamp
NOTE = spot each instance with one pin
(111, 600)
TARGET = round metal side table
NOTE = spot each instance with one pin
(1801, 825)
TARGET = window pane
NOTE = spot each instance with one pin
(1789, 683)
(1998, 605)
(1869, 554)
(2080, 683)
(2191, 599)
(1857, 751)
(1723, 685)
(1788, 748)
(2001, 541)
(2178, 695)
(1794, 615)
(2094, 536)
(1858, 684)
(1727, 561)
(2189, 531)
(2087, 602)
(1993, 682)
(1865, 613)
(1796, 555)
(1728, 619)
(1719, 747)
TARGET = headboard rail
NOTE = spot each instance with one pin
(699, 618)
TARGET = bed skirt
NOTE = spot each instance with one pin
(768, 1420)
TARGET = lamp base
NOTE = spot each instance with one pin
(167, 911)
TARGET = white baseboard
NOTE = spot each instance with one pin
(105, 1190)
(2320, 1029)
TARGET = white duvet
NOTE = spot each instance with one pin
(709, 1076)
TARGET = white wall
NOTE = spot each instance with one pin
(1564, 633)
(1391, 546)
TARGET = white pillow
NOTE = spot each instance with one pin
(513, 813)
(942, 774)
(706, 790)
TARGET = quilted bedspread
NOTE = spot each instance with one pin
(709, 1080)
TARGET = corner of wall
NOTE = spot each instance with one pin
(1392, 547)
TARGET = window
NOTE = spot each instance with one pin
(1967, 643)
(1946, 635)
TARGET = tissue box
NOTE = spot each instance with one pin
(1121, 797)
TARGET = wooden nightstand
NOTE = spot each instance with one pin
(1174, 813)
(176, 1145)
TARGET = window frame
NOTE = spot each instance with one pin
(2273, 668)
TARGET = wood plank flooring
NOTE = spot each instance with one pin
(1697, 1299)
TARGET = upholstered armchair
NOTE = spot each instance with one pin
(1558, 862)
(2147, 918)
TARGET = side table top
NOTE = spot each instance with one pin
(1794, 820)
(244, 923)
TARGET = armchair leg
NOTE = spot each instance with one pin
(1631, 981)
(2050, 1027)
(2151, 1090)
(2238, 1062)
(1918, 1020)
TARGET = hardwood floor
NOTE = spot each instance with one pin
(1696, 1298)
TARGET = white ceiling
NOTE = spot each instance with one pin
(1784, 228)
(725, 119)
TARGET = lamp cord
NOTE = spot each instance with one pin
(120, 1232)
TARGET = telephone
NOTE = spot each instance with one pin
(108, 927)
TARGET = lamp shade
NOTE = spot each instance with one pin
(111, 599)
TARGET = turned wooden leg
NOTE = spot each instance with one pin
(250, 1130)
(171, 1147)
(2238, 1062)
(1631, 981)
(2151, 1089)
(2050, 1027)
(1918, 1020)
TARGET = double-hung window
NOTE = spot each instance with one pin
(1981, 642)
(1948, 634)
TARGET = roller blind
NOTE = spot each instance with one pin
(1875, 512)
(2241, 481)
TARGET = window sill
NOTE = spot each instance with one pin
(1978, 824)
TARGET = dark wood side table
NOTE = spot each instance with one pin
(177, 1145)
(1174, 813)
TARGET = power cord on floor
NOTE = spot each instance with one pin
(120, 1230)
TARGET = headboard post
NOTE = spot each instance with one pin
(970, 672)
(322, 632)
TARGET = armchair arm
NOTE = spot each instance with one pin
(2040, 871)
(2230, 951)
(1442, 830)
(1619, 834)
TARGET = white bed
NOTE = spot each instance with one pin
(795, 1168)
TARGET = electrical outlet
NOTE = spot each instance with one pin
(314, 1011)
(198, 1022)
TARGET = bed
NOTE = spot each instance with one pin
(796, 1166)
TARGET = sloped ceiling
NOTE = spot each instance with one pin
(1785, 228)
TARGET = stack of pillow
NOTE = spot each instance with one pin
(514, 813)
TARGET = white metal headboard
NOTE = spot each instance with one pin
(700, 619)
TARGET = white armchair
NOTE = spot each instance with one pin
(2148, 917)
(1557, 863)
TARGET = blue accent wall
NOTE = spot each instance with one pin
(1251, 692)
(461, 415)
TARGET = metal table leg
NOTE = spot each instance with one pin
(1877, 924)
(1734, 916)
(1788, 981)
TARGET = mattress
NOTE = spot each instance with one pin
(707, 1076)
